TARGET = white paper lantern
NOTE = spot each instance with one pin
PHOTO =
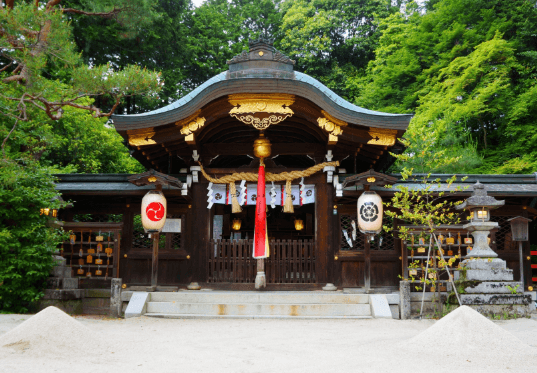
(154, 210)
(370, 213)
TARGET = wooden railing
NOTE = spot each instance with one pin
(290, 262)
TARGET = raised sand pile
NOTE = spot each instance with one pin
(465, 331)
(51, 331)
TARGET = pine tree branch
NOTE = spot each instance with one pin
(111, 14)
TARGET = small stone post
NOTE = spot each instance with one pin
(115, 298)
(404, 299)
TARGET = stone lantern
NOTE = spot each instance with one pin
(479, 204)
(488, 283)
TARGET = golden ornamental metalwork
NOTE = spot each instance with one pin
(152, 179)
(329, 127)
(261, 110)
(332, 126)
(140, 139)
(191, 124)
(262, 147)
(382, 136)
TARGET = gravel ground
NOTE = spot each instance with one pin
(226, 345)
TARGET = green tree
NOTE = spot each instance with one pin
(333, 40)
(44, 88)
(26, 242)
(466, 68)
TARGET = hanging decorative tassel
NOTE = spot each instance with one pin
(261, 246)
(235, 206)
(288, 205)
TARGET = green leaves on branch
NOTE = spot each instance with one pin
(26, 243)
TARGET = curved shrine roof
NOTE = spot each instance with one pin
(262, 69)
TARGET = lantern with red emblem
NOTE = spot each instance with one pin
(154, 211)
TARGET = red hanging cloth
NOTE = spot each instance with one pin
(261, 246)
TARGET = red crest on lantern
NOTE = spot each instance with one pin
(154, 211)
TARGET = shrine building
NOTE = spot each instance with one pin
(211, 131)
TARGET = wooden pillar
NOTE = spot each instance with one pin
(324, 204)
(200, 233)
(154, 262)
(126, 244)
(367, 263)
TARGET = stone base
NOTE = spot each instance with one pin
(494, 287)
(495, 299)
(193, 286)
(486, 275)
(69, 294)
(72, 307)
(329, 287)
(485, 263)
(62, 283)
(502, 311)
(61, 271)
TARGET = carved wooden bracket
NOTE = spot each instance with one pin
(332, 126)
(191, 124)
(261, 110)
(140, 139)
(382, 136)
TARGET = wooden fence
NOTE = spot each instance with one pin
(290, 262)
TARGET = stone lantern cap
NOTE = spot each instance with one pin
(480, 198)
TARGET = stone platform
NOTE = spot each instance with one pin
(260, 304)
(489, 288)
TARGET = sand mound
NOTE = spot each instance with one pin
(51, 331)
(466, 331)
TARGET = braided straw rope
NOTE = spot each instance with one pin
(250, 176)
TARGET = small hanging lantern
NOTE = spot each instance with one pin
(236, 225)
(519, 228)
(299, 224)
(370, 209)
(154, 211)
(370, 213)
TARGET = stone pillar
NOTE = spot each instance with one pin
(115, 298)
(404, 299)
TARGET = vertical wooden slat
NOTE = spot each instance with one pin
(235, 260)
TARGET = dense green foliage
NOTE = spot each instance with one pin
(25, 240)
(49, 123)
(467, 69)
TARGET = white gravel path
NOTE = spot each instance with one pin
(223, 345)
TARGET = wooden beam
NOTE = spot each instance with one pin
(244, 149)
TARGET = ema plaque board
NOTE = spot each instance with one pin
(172, 226)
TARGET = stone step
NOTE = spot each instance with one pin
(251, 297)
(259, 309)
(485, 264)
(487, 275)
(188, 316)
(62, 283)
(493, 299)
(61, 271)
(495, 287)
(69, 294)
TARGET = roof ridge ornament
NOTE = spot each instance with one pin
(261, 49)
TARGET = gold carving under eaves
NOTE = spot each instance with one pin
(140, 139)
(382, 136)
(261, 110)
(191, 124)
(332, 126)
